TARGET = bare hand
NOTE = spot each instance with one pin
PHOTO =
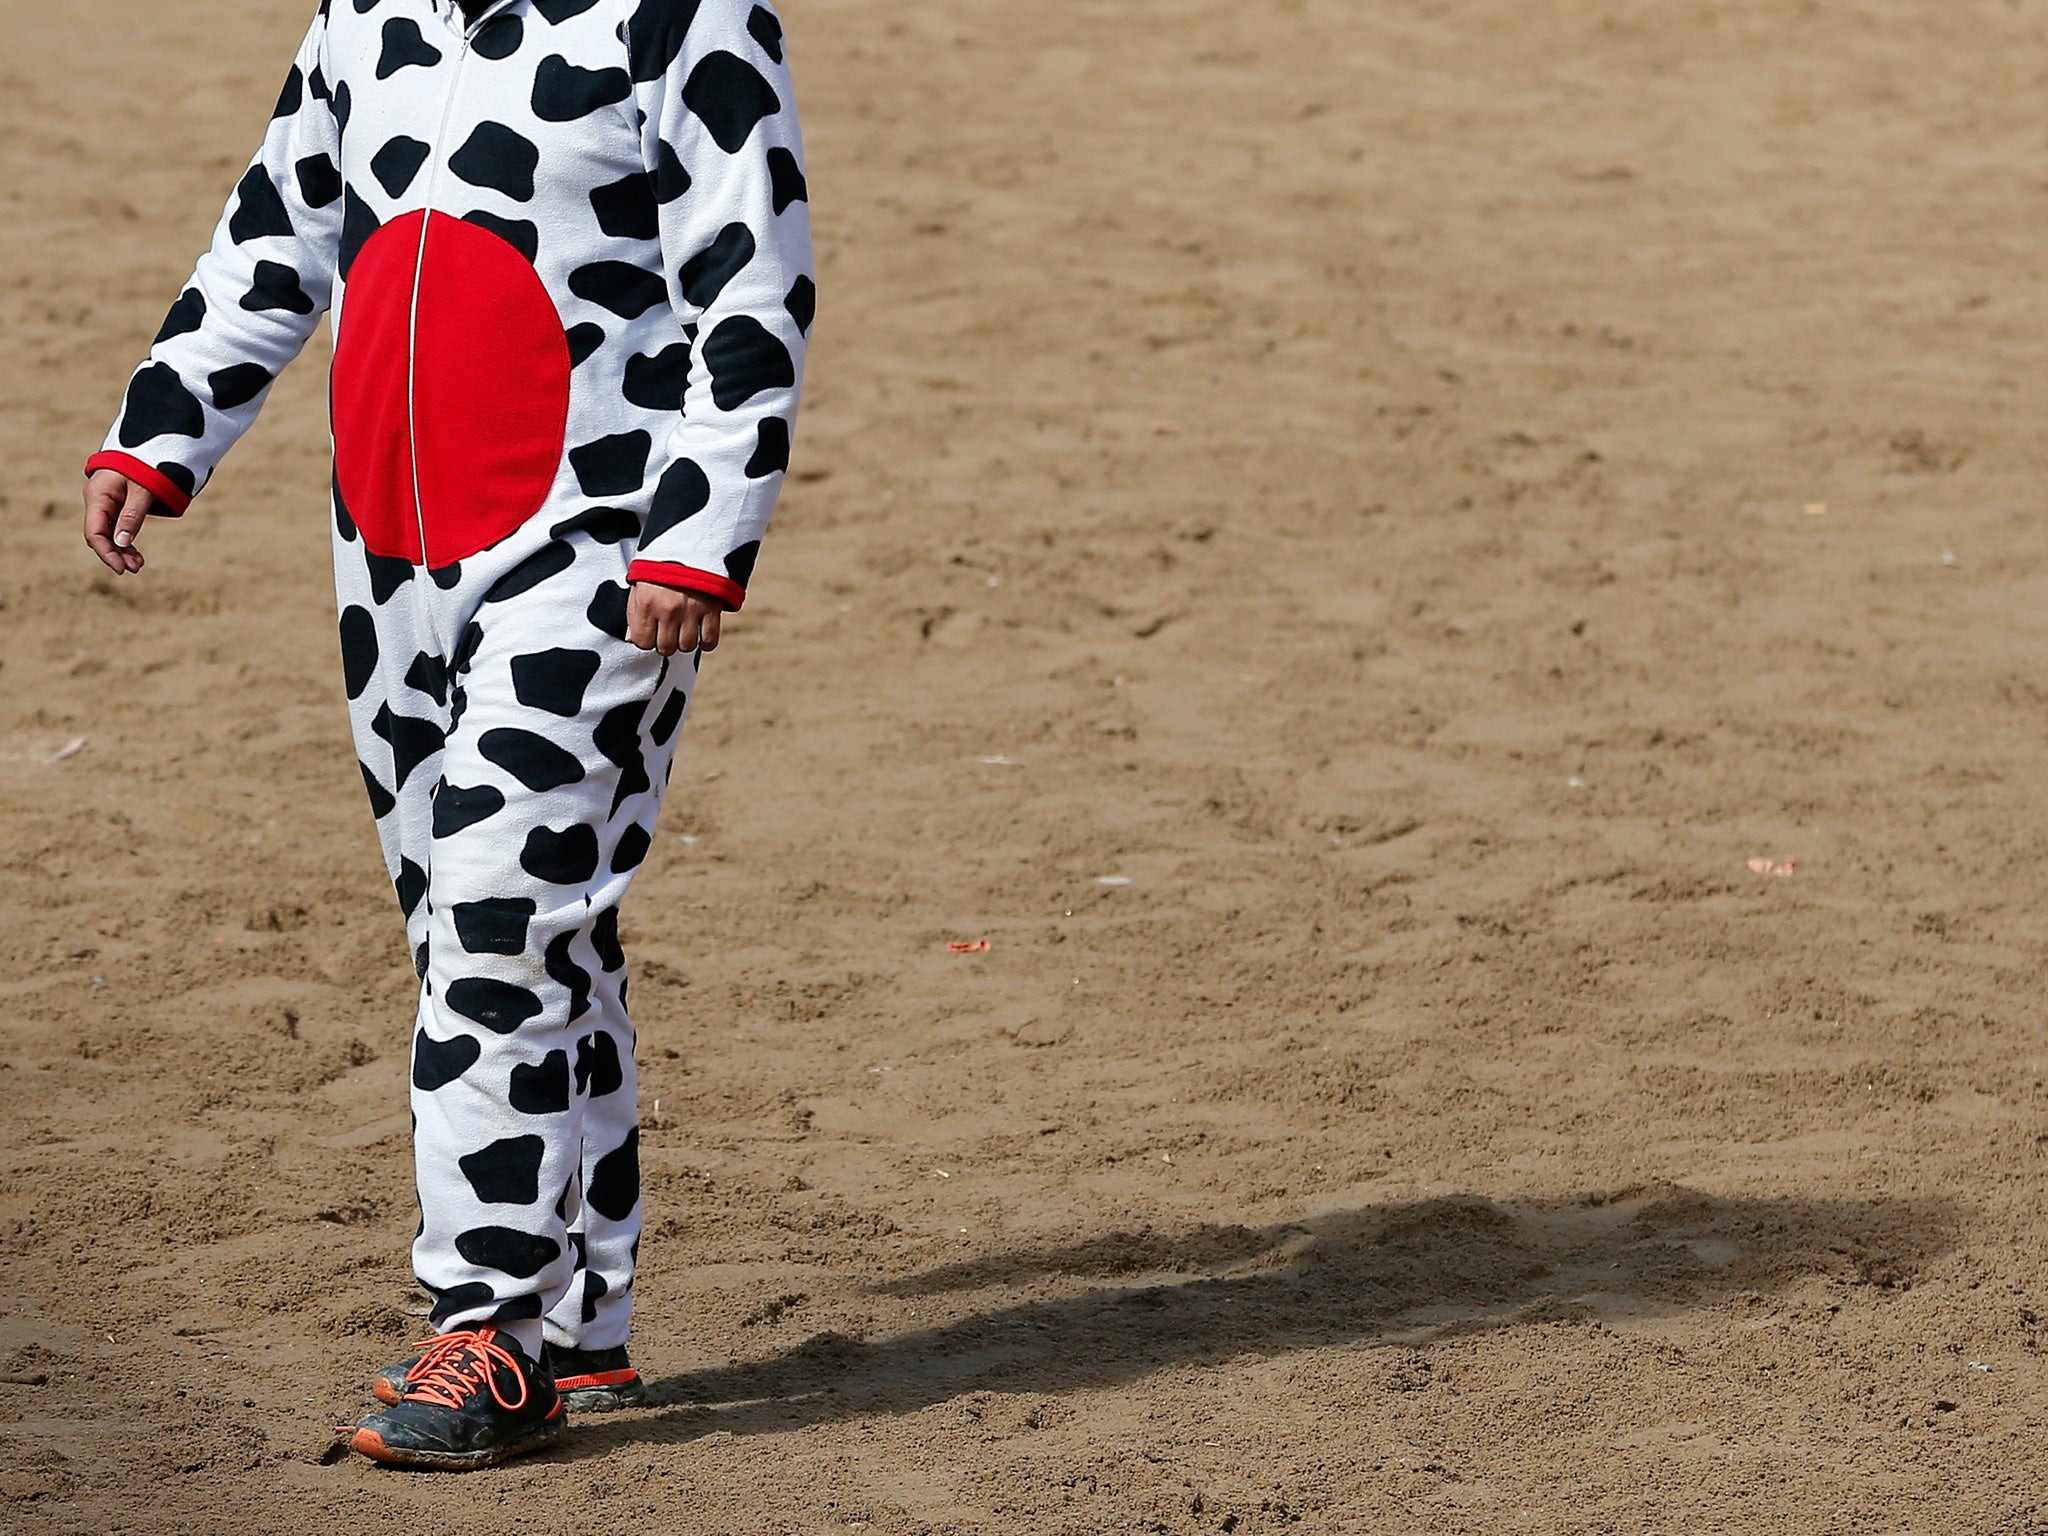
(662, 619)
(114, 509)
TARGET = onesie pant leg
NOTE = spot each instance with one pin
(512, 842)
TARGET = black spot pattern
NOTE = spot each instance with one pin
(657, 33)
(500, 37)
(344, 525)
(565, 972)
(159, 405)
(607, 525)
(358, 649)
(730, 97)
(498, 158)
(319, 180)
(563, 92)
(521, 234)
(404, 46)
(382, 801)
(705, 274)
(786, 179)
(543, 1089)
(277, 286)
(619, 286)
(495, 925)
(292, 97)
(766, 30)
(615, 1182)
(411, 886)
(656, 383)
(467, 647)
(397, 163)
(500, 1006)
(428, 674)
(631, 852)
(626, 209)
(669, 719)
(604, 938)
(671, 178)
(358, 223)
(387, 575)
(187, 315)
(451, 1302)
(584, 339)
(745, 358)
(530, 758)
(565, 857)
(802, 303)
(235, 386)
(607, 610)
(413, 740)
(612, 466)
(684, 491)
(598, 1068)
(771, 449)
(595, 1288)
(548, 560)
(559, 11)
(739, 565)
(618, 737)
(437, 1063)
(458, 807)
(507, 1172)
(259, 209)
(554, 680)
(519, 1254)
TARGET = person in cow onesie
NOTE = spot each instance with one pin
(566, 246)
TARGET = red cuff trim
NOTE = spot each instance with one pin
(688, 578)
(148, 476)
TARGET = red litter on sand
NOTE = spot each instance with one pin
(971, 947)
(1781, 868)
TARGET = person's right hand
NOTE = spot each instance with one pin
(114, 509)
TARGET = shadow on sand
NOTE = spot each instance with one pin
(1417, 1272)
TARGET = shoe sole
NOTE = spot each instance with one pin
(594, 1399)
(603, 1399)
(368, 1442)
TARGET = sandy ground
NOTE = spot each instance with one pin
(1342, 469)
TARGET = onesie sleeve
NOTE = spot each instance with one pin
(253, 301)
(721, 145)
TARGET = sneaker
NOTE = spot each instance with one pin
(594, 1380)
(589, 1380)
(471, 1400)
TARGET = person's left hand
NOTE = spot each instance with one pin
(663, 619)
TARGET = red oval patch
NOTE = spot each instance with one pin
(450, 413)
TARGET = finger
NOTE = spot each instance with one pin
(707, 632)
(671, 633)
(640, 625)
(103, 494)
(133, 511)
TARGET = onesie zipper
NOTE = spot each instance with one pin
(419, 267)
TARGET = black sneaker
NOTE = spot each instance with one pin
(472, 1400)
(589, 1380)
(594, 1380)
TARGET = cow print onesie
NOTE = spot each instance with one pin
(566, 244)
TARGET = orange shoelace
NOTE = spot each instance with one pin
(455, 1364)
